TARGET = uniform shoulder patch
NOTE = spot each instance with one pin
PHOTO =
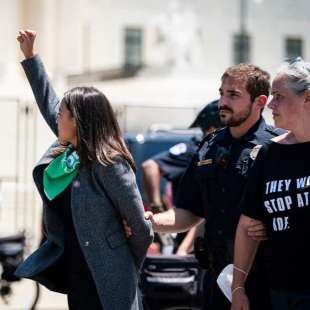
(255, 151)
(275, 131)
(178, 149)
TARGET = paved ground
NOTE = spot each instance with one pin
(22, 294)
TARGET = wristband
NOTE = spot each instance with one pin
(241, 270)
(236, 289)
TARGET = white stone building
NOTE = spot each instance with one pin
(177, 40)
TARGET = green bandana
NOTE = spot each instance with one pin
(60, 173)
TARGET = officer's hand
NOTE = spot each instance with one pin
(26, 40)
(127, 229)
(240, 300)
(257, 230)
(148, 215)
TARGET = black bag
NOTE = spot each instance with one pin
(171, 282)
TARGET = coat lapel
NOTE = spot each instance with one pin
(39, 167)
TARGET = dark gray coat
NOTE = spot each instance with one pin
(101, 197)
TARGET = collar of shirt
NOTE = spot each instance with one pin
(254, 135)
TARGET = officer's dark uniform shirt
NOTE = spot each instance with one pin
(173, 163)
(213, 184)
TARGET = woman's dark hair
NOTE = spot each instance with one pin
(98, 133)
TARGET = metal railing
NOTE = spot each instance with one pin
(18, 134)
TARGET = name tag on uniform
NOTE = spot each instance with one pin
(205, 162)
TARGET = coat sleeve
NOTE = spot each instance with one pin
(119, 183)
(45, 96)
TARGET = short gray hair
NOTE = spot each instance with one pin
(298, 74)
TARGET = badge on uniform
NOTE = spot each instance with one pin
(255, 151)
(223, 156)
(178, 149)
(205, 162)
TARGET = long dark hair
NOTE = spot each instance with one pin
(98, 133)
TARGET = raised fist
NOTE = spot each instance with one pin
(26, 40)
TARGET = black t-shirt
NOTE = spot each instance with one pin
(278, 193)
(77, 274)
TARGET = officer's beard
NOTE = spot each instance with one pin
(235, 119)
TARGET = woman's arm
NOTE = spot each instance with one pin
(45, 96)
(244, 254)
(187, 245)
(119, 182)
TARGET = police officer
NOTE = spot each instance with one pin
(172, 164)
(212, 185)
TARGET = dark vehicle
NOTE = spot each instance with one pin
(167, 282)
(144, 146)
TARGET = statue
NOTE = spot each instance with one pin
(178, 31)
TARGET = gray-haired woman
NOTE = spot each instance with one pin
(88, 187)
(278, 194)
